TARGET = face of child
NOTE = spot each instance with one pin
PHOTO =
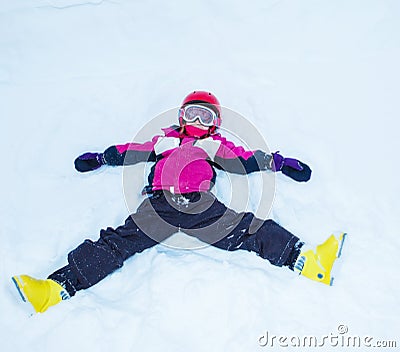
(197, 124)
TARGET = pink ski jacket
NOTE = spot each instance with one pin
(184, 164)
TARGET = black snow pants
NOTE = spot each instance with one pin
(198, 214)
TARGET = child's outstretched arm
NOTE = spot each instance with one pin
(117, 155)
(236, 159)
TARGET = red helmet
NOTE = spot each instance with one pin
(206, 98)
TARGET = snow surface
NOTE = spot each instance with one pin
(320, 79)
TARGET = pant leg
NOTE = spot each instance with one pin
(92, 261)
(271, 241)
(226, 229)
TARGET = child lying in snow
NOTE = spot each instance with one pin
(179, 199)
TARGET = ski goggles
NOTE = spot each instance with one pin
(206, 116)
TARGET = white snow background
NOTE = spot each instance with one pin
(318, 78)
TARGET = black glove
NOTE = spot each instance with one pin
(292, 168)
(89, 162)
(298, 175)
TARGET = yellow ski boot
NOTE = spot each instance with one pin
(316, 264)
(41, 294)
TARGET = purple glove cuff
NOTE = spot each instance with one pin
(278, 161)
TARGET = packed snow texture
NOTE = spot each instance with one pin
(318, 78)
